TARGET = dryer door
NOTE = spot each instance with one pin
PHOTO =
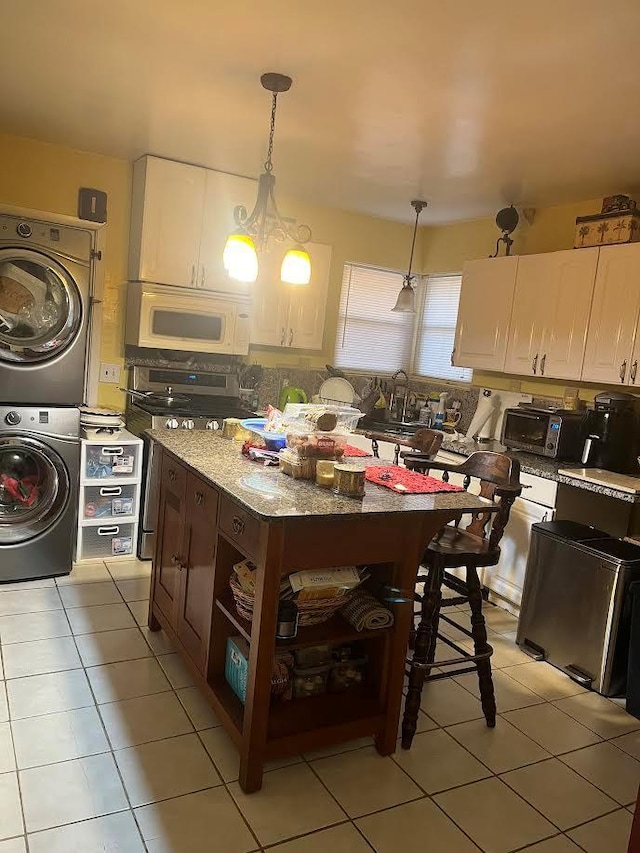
(34, 488)
(40, 307)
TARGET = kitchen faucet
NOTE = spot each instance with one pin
(395, 398)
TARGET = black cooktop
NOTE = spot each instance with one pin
(197, 406)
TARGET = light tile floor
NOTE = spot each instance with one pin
(105, 744)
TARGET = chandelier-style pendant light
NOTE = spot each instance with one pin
(406, 301)
(255, 230)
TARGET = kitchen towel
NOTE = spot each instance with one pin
(350, 450)
(406, 482)
(365, 612)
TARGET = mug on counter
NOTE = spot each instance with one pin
(453, 417)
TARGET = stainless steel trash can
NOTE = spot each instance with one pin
(573, 602)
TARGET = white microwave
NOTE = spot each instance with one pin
(164, 317)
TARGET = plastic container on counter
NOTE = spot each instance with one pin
(318, 417)
(310, 682)
(312, 656)
(317, 445)
(346, 674)
(294, 466)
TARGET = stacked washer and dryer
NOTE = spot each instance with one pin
(45, 278)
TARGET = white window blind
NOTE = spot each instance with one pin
(437, 328)
(370, 335)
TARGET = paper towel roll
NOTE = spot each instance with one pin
(488, 406)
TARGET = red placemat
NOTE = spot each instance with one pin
(350, 450)
(406, 482)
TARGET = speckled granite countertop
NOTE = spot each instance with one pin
(540, 466)
(268, 493)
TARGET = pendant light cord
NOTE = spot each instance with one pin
(268, 165)
(413, 245)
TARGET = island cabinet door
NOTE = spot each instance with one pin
(196, 593)
(171, 524)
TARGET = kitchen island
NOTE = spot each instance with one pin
(218, 508)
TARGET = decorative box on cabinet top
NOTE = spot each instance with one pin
(603, 229)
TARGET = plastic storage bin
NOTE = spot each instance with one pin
(299, 417)
(293, 466)
(106, 540)
(347, 674)
(108, 502)
(112, 461)
(317, 445)
(312, 656)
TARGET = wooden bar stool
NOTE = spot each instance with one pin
(425, 441)
(470, 548)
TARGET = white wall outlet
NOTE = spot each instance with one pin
(110, 373)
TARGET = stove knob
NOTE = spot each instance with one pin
(212, 425)
(172, 423)
(188, 424)
(13, 418)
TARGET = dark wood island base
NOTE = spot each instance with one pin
(204, 528)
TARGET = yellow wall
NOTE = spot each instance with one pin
(445, 249)
(47, 177)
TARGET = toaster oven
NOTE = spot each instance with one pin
(553, 433)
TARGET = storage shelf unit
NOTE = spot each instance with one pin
(109, 502)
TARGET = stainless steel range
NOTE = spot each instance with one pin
(174, 398)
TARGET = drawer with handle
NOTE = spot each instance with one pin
(106, 541)
(240, 527)
(112, 461)
(109, 502)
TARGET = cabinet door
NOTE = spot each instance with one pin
(196, 596)
(308, 302)
(567, 300)
(614, 315)
(524, 348)
(169, 548)
(223, 194)
(486, 299)
(166, 221)
(270, 303)
(507, 578)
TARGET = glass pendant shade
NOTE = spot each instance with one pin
(296, 266)
(240, 258)
(406, 301)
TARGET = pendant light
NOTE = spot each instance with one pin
(406, 301)
(264, 224)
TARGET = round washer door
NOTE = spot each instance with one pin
(34, 488)
(40, 307)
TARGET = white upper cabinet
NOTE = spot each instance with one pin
(610, 355)
(181, 217)
(550, 315)
(486, 299)
(166, 221)
(290, 315)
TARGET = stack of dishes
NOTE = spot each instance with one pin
(97, 421)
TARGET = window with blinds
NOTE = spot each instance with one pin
(370, 335)
(436, 329)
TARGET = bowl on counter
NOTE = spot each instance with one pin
(272, 440)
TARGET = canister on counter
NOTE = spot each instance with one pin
(349, 480)
(230, 427)
(325, 473)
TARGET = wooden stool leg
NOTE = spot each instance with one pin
(419, 668)
(435, 622)
(479, 633)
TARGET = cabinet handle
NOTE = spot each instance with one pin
(199, 498)
(110, 491)
(177, 562)
(172, 475)
(283, 336)
(237, 525)
(203, 276)
(623, 370)
(453, 362)
(543, 361)
(634, 370)
(290, 336)
(193, 274)
(534, 365)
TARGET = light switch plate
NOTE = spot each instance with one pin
(110, 373)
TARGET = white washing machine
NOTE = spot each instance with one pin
(45, 271)
(39, 477)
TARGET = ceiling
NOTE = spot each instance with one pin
(470, 105)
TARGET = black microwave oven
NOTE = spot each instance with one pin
(545, 432)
